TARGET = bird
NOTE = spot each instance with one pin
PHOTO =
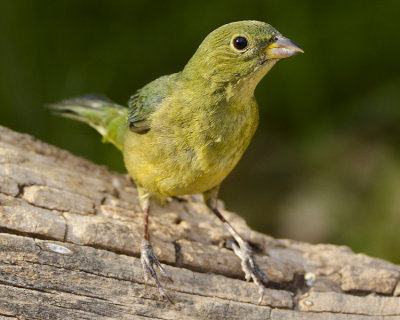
(183, 133)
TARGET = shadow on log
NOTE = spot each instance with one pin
(70, 235)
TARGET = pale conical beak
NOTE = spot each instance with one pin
(282, 48)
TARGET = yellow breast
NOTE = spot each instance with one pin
(187, 152)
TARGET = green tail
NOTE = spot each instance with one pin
(107, 118)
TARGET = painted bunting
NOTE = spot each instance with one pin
(183, 133)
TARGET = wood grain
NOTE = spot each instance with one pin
(70, 234)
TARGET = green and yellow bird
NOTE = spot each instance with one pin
(184, 133)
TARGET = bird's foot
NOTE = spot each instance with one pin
(148, 259)
(249, 266)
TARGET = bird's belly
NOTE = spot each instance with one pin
(187, 161)
(167, 169)
(201, 173)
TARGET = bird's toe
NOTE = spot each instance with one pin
(148, 260)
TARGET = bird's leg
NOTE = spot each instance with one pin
(147, 256)
(241, 248)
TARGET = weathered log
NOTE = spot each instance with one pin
(70, 234)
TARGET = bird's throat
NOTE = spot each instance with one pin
(243, 89)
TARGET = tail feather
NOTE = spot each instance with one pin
(108, 118)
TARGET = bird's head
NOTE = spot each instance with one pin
(239, 52)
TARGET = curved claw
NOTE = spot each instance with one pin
(148, 259)
(249, 265)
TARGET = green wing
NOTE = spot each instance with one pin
(147, 100)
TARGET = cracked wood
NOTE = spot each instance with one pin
(70, 237)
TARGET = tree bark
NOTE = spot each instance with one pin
(70, 234)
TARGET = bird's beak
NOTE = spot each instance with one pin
(282, 48)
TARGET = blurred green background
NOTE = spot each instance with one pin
(324, 165)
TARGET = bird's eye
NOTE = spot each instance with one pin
(240, 43)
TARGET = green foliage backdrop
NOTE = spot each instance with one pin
(325, 163)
